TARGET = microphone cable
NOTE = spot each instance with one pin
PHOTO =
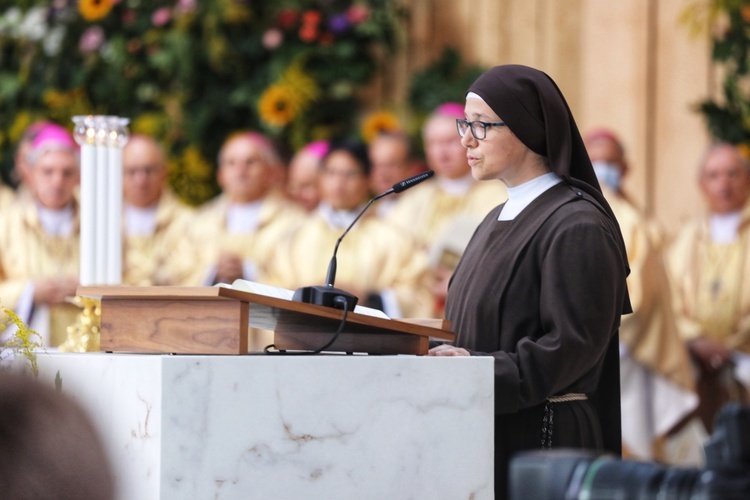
(341, 301)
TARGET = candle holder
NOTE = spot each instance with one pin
(84, 335)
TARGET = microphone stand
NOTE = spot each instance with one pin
(330, 296)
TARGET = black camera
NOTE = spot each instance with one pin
(579, 474)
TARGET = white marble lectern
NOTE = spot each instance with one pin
(278, 427)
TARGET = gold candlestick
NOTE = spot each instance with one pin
(84, 335)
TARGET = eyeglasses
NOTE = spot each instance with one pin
(478, 129)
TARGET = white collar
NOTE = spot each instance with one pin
(724, 227)
(519, 197)
(56, 222)
(337, 219)
(244, 218)
(140, 221)
(456, 187)
(385, 206)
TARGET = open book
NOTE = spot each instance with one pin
(283, 293)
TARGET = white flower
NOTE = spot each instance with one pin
(10, 21)
(34, 25)
(53, 41)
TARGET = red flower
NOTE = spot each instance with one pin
(358, 14)
(312, 17)
(308, 32)
(287, 18)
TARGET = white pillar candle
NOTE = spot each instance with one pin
(101, 139)
(102, 179)
(114, 213)
(87, 273)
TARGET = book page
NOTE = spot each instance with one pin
(262, 289)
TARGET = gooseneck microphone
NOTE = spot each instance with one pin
(329, 295)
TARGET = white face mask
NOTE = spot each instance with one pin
(608, 174)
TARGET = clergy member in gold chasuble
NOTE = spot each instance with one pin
(21, 168)
(657, 386)
(709, 261)
(425, 210)
(377, 262)
(302, 184)
(541, 285)
(156, 251)
(21, 173)
(237, 233)
(39, 240)
(393, 160)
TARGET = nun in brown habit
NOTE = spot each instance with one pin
(541, 285)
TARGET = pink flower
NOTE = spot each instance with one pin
(272, 38)
(91, 40)
(161, 16)
(358, 13)
(186, 6)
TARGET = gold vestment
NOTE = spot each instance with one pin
(425, 210)
(165, 257)
(712, 284)
(28, 253)
(209, 235)
(373, 257)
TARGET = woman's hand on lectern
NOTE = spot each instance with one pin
(448, 350)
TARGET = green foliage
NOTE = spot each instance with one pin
(190, 72)
(728, 116)
(445, 80)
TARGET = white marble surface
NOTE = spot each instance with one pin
(308, 427)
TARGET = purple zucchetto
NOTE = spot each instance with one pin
(51, 137)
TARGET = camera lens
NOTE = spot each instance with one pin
(572, 474)
(616, 479)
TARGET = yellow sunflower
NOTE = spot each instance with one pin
(92, 10)
(379, 122)
(744, 150)
(279, 105)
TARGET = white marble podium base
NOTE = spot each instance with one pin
(271, 427)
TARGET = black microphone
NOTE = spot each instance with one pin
(329, 295)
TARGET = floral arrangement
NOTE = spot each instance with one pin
(24, 341)
(728, 115)
(191, 73)
(378, 122)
